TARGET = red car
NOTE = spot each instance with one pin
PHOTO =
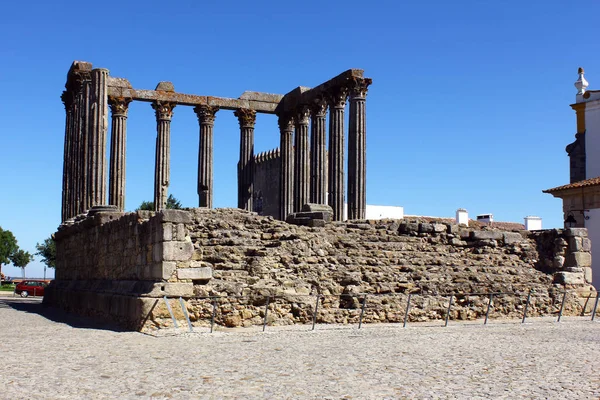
(31, 288)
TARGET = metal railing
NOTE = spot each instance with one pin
(362, 298)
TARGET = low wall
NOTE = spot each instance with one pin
(118, 265)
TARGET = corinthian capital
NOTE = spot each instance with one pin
(319, 108)
(303, 114)
(337, 97)
(206, 114)
(163, 110)
(246, 117)
(359, 86)
(286, 123)
(118, 105)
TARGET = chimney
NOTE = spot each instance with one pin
(462, 217)
(533, 223)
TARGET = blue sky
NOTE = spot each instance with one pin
(469, 105)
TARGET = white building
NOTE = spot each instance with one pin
(581, 197)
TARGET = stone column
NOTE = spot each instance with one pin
(164, 114)
(318, 163)
(85, 156)
(118, 141)
(97, 131)
(206, 118)
(337, 102)
(67, 100)
(75, 151)
(286, 144)
(247, 119)
(301, 159)
(357, 146)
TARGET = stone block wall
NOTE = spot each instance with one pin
(119, 266)
(267, 173)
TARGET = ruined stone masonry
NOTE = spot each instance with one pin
(118, 266)
(90, 92)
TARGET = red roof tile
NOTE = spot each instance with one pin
(575, 185)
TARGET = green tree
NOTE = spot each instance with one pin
(8, 247)
(21, 258)
(47, 250)
(172, 204)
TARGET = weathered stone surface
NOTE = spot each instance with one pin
(177, 216)
(512, 237)
(201, 273)
(581, 232)
(177, 251)
(580, 259)
(569, 278)
(482, 235)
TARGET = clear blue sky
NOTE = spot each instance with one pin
(469, 105)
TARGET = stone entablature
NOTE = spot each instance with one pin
(118, 265)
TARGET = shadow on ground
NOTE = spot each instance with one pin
(35, 306)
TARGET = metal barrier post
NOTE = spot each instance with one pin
(526, 306)
(316, 310)
(185, 313)
(212, 318)
(362, 311)
(562, 305)
(487, 313)
(448, 313)
(586, 303)
(407, 308)
(266, 311)
(595, 305)
(171, 312)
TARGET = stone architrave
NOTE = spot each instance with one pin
(164, 114)
(206, 119)
(247, 119)
(337, 102)
(118, 141)
(318, 153)
(97, 132)
(286, 144)
(301, 159)
(357, 155)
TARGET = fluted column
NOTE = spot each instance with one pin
(247, 119)
(85, 197)
(286, 144)
(118, 142)
(301, 159)
(67, 100)
(206, 118)
(337, 102)
(162, 166)
(75, 151)
(318, 163)
(97, 133)
(357, 149)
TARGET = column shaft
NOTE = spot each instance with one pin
(206, 118)
(357, 201)
(84, 128)
(318, 153)
(164, 114)
(286, 144)
(96, 136)
(118, 143)
(337, 102)
(75, 156)
(301, 160)
(247, 119)
(67, 101)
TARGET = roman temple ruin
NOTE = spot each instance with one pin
(308, 171)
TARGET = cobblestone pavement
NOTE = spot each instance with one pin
(48, 354)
